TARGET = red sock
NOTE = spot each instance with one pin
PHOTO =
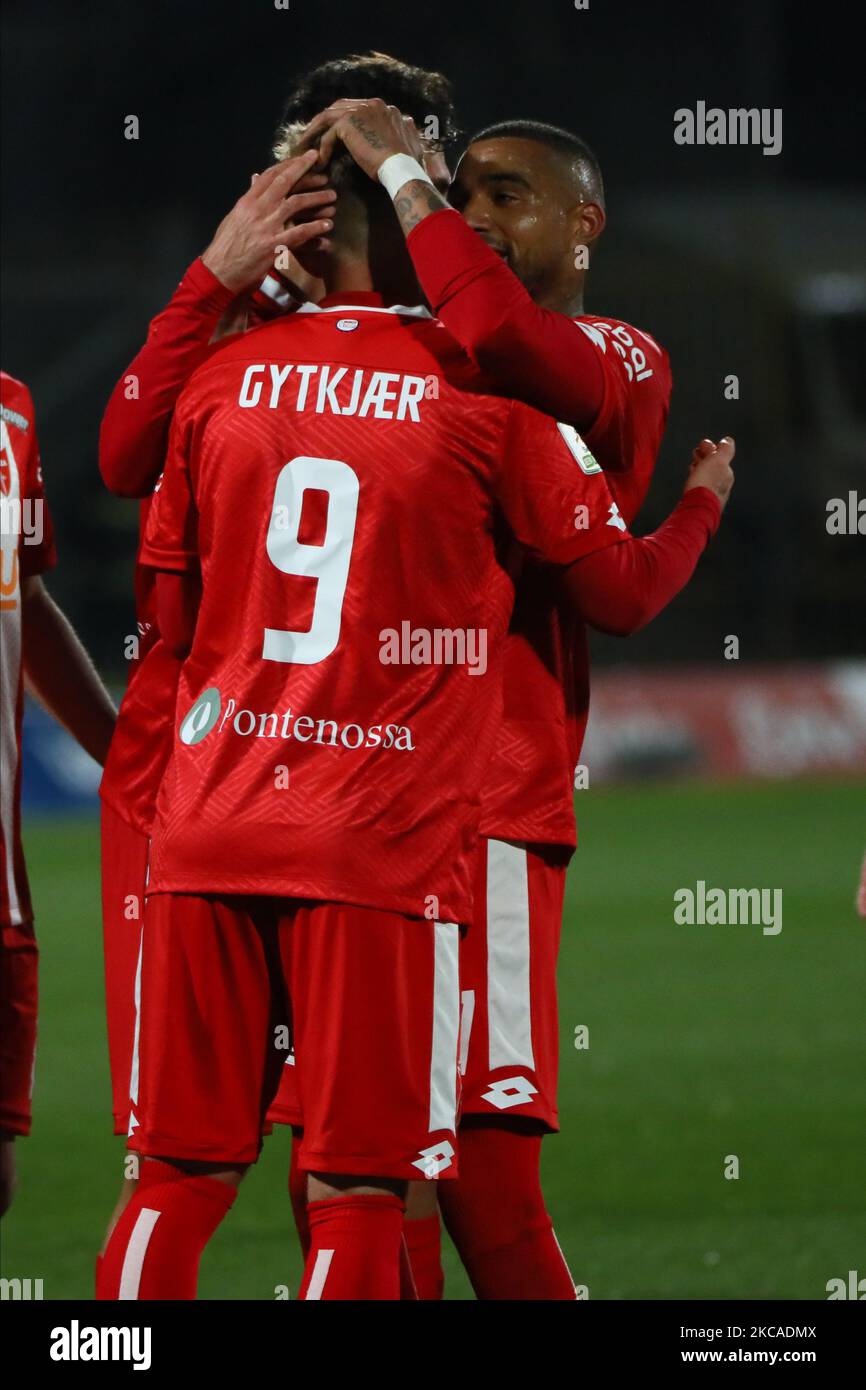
(355, 1250)
(495, 1214)
(298, 1194)
(156, 1246)
(424, 1243)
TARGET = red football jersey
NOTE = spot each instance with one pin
(342, 495)
(529, 789)
(132, 449)
(141, 743)
(27, 540)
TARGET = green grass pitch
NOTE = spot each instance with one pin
(704, 1042)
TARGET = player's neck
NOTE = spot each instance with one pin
(570, 305)
(563, 301)
(353, 275)
(565, 297)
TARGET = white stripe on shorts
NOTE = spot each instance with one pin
(446, 1027)
(509, 1015)
(136, 1036)
(467, 1014)
(10, 671)
(565, 1262)
(133, 1260)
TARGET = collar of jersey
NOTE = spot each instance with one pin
(363, 299)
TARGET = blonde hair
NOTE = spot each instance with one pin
(286, 139)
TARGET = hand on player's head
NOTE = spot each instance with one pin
(711, 467)
(288, 205)
(370, 130)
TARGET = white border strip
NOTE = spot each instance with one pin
(509, 1012)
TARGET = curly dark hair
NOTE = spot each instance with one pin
(417, 92)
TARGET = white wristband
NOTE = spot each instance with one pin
(399, 169)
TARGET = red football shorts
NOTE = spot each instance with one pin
(124, 876)
(371, 999)
(286, 1108)
(510, 1030)
(19, 966)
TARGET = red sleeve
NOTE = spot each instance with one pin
(580, 372)
(178, 597)
(536, 355)
(134, 432)
(171, 535)
(552, 491)
(620, 590)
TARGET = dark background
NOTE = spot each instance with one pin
(739, 263)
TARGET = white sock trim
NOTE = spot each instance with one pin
(319, 1274)
(133, 1260)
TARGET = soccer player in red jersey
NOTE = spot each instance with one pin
(133, 443)
(507, 279)
(36, 642)
(316, 823)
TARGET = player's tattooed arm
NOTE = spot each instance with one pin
(415, 201)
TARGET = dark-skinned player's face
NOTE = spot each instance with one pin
(519, 196)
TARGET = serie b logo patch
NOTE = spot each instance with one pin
(585, 459)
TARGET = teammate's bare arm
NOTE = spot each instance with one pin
(60, 674)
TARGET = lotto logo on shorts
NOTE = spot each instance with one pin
(514, 1090)
(434, 1160)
